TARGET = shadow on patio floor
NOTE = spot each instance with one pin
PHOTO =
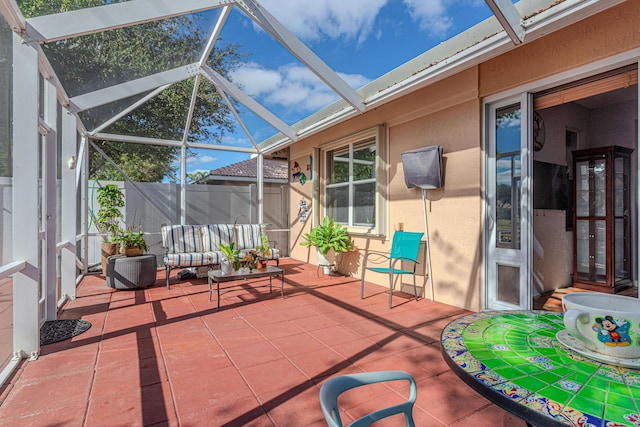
(167, 357)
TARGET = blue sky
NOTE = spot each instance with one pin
(360, 39)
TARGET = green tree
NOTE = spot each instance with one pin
(196, 177)
(95, 61)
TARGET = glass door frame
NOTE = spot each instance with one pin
(519, 258)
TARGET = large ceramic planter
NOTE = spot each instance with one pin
(107, 249)
(326, 261)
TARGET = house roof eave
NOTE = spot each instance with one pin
(480, 43)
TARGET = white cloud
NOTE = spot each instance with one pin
(290, 86)
(313, 20)
(431, 15)
(201, 159)
(256, 80)
(236, 140)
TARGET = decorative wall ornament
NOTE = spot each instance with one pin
(303, 211)
(297, 174)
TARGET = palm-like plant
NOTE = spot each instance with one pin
(328, 235)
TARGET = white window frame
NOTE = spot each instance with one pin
(375, 136)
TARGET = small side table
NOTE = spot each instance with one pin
(131, 272)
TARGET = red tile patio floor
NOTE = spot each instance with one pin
(167, 357)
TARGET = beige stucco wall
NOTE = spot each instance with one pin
(609, 33)
(421, 119)
(448, 113)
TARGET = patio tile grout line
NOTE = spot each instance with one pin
(348, 361)
(150, 301)
(395, 330)
(95, 363)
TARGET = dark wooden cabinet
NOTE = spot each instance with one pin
(601, 244)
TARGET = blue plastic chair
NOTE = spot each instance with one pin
(405, 247)
(333, 387)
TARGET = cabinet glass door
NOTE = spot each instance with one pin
(621, 217)
(582, 189)
(591, 253)
(591, 224)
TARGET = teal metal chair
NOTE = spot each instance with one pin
(333, 387)
(404, 247)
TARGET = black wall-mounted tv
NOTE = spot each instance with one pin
(550, 186)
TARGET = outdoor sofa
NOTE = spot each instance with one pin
(199, 245)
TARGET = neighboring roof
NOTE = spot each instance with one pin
(273, 170)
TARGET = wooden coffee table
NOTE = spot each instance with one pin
(218, 277)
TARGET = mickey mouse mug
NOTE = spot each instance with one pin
(607, 324)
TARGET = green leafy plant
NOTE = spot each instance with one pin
(131, 238)
(231, 254)
(328, 235)
(263, 250)
(109, 216)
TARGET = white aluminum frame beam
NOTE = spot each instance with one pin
(280, 33)
(170, 143)
(124, 90)
(26, 321)
(128, 109)
(226, 11)
(12, 14)
(238, 118)
(81, 22)
(509, 18)
(50, 218)
(232, 90)
(71, 161)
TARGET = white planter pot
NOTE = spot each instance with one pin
(226, 267)
(326, 261)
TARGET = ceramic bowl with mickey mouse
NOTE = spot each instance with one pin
(605, 323)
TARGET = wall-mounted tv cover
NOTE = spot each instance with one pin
(423, 167)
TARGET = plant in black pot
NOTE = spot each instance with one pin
(108, 219)
(330, 239)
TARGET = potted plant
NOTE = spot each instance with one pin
(132, 242)
(263, 252)
(108, 219)
(231, 258)
(326, 237)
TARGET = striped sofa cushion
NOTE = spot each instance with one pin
(214, 234)
(192, 259)
(182, 238)
(274, 253)
(249, 236)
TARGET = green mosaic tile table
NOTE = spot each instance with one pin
(514, 359)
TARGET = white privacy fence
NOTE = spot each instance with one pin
(205, 204)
